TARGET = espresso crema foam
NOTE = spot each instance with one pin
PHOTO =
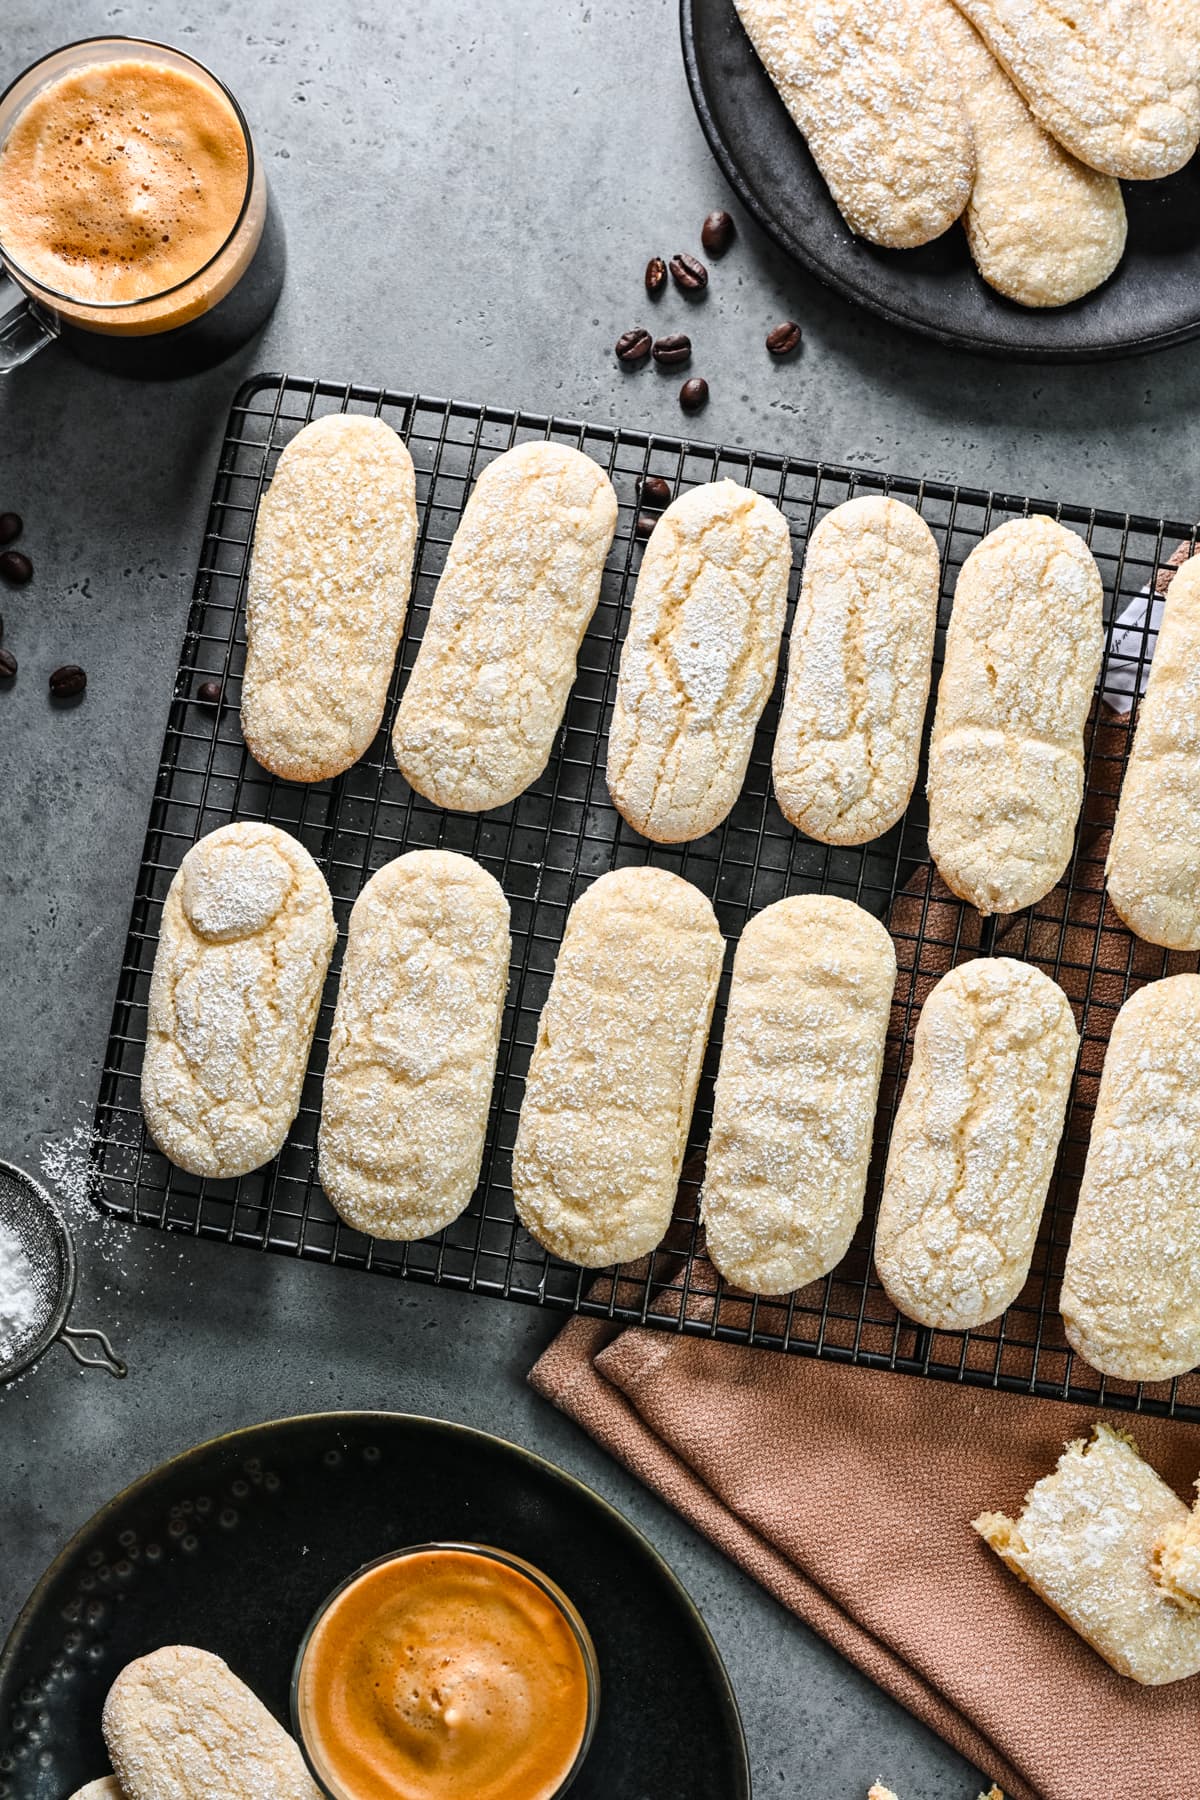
(121, 180)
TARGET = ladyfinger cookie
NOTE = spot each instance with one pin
(1085, 1542)
(1102, 79)
(477, 720)
(1175, 1560)
(610, 1089)
(1006, 756)
(879, 106)
(974, 1143)
(698, 663)
(796, 1090)
(329, 579)
(1153, 870)
(1131, 1287)
(1042, 227)
(1179, 22)
(859, 662)
(179, 1725)
(246, 936)
(413, 1047)
(107, 1788)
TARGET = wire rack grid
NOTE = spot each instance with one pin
(560, 835)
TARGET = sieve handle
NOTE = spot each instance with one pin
(108, 1358)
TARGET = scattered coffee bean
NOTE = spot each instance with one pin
(10, 527)
(672, 350)
(15, 567)
(784, 338)
(656, 276)
(688, 273)
(68, 681)
(694, 394)
(634, 346)
(210, 691)
(644, 524)
(655, 491)
(717, 233)
(8, 665)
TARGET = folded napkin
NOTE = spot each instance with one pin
(849, 1495)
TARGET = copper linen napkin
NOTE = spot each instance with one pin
(849, 1494)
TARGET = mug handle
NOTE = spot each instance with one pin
(24, 330)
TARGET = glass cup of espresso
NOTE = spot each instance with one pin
(135, 215)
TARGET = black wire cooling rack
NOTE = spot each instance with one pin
(547, 846)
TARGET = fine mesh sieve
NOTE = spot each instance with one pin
(29, 1215)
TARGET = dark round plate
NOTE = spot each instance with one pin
(1152, 300)
(233, 1545)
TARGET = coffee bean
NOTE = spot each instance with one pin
(673, 349)
(717, 233)
(15, 567)
(656, 276)
(784, 338)
(688, 273)
(644, 524)
(694, 394)
(68, 681)
(633, 346)
(8, 665)
(655, 491)
(10, 527)
(210, 691)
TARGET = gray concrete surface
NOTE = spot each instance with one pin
(470, 193)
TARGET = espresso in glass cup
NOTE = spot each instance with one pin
(134, 212)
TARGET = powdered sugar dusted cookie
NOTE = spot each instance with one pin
(795, 1097)
(974, 1142)
(879, 106)
(1109, 85)
(698, 663)
(477, 720)
(246, 936)
(611, 1085)
(849, 736)
(1043, 228)
(412, 1052)
(1175, 1561)
(1085, 1544)
(107, 1788)
(179, 1725)
(1153, 871)
(1006, 755)
(1131, 1287)
(329, 579)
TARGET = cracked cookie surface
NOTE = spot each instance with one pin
(477, 720)
(794, 1107)
(612, 1082)
(1085, 1543)
(412, 1050)
(330, 574)
(859, 665)
(245, 941)
(179, 1725)
(1111, 87)
(698, 662)
(1006, 753)
(1043, 228)
(1131, 1287)
(1153, 869)
(875, 98)
(974, 1142)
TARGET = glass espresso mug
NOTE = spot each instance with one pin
(134, 213)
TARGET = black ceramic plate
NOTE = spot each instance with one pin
(1152, 300)
(233, 1545)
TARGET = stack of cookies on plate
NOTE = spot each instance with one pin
(1018, 116)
